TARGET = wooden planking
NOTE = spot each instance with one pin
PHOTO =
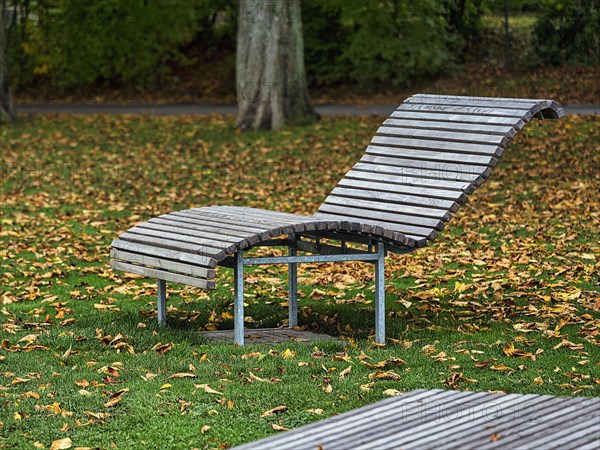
(418, 215)
(428, 155)
(163, 275)
(259, 217)
(548, 109)
(545, 407)
(273, 215)
(459, 118)
(524, 114)
(412, 178)
(407, 224)
(178, 227)
(532, 107)
(214, 253)
(495, 130)
(418, 235)
(161, 252)
(425, 158)
(177, 236)
(450, 136)
(451, 420)
(217, 235)
(375, 193)
(210, 219)
(162, 263)
(542, 103)
(442, 170)
(211, 230)
(354, 179)
(446, 146)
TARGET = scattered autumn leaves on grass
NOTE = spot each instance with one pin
(513, 278)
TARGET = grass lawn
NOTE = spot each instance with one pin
(507, 299)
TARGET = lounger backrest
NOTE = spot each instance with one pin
(427, 157)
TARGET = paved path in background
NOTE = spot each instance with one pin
(178, 109)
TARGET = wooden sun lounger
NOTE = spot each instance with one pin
(451, 420)
(421, 165)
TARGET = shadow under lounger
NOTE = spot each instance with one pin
(423, 162)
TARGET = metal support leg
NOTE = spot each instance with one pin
(380, 294)
(238, 305)
(293, 286)
(162, 302)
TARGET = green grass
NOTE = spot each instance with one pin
(519, 264)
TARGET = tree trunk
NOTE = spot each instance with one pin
(271, 81)
(6, 108)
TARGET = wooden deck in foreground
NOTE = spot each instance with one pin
(438, 419)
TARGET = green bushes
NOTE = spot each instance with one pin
(78, 44)
(388, 41)
(568, 32)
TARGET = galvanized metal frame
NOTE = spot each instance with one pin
(375, 254)
(320, 253)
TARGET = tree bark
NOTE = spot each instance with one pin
(6, 108)
(271, 80)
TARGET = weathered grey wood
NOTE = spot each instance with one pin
(447, 136)
(368, 171)
(521, 114)
(197, 217)
(418, 234)
(273, 216)
(177, 227)
(419, 226)
(163, 275)
(453, 147)
(429, 155)
(162, 263)
(542, 407)
(214, 230)
(476, 102)
(258, 218)
(161, 252)
(177, 236)
(380, 429)
(414, 215)
(421, 165)
(450, 420)
(440, 169)
(372, 193)
(495, 130)
(387, 184)
(459, 118)
(213, 253)
(463, 433)
(542, 103)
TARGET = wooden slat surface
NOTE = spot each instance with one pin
(444, 156)
(498, 130)
(437, 419)
(423, 162)
(444, 135)
(456, 171)
(459, 118)
(447, 146)
(400, 186)
(524, 113)
(386, 192)
(373, 171)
